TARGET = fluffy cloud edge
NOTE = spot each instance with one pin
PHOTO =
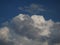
(35, 30)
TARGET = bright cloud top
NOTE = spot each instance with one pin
(30, 30)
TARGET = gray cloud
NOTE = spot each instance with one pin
(26, 30)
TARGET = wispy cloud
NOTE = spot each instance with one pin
(33, 8)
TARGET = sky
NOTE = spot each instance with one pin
(29, 22)
(10, 8)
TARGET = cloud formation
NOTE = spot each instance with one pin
(30, 30)
(33, 9)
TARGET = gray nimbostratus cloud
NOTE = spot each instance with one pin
(30, 30)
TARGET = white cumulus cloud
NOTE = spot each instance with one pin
(30, 30)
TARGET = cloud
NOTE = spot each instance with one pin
(30, 30)
(33, 9)
(5, 36)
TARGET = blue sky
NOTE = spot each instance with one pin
(10, 8)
